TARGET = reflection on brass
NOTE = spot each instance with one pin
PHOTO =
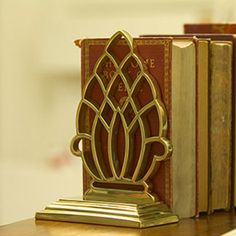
(119, 193)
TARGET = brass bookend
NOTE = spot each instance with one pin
(120, 193)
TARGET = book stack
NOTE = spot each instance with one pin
(222, 96)
(195, 73)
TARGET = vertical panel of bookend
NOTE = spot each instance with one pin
(157, 56)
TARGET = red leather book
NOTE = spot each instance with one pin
(156, 54)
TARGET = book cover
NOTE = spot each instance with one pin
(202, 126)
(157, 57)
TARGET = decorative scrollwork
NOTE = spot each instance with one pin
(122, 146)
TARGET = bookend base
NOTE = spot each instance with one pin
(108, 213)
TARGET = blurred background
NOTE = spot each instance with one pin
(40, 85)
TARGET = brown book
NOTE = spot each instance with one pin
(216, 28)
(202, 126)
(173, 66)
(220, 123)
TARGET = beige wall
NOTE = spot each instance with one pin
(40, 87)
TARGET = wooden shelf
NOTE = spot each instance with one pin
(215, 224)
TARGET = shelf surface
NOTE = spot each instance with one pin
(215, 224)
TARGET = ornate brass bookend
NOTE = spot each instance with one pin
(119, 151)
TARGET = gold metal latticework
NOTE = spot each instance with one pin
(119, 148)
(113, 113)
